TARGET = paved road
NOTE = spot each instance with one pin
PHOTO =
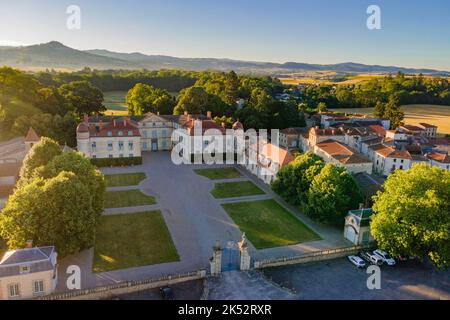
(339, 280)
(252, 285)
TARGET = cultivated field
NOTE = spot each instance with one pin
(414, 114)
(325, 79)
(115, 103)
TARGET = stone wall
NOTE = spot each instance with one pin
(107, 292)
(309, 257)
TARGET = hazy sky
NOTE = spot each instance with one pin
(414, 33)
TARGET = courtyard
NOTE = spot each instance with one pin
(194, 219)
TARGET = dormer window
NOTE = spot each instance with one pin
(120, 133)
(24, 269)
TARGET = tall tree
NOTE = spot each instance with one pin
(40, 154)
(413, 214)
(143, 98)
(231, 88)
(83, 97)
(294, 180)
(332, 194)
(56, 211)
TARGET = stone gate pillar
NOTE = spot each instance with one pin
(245, 257)
(216, 260)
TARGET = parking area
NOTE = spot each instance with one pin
(340, 280)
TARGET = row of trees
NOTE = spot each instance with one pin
(405, 89)
(324, 192)
(218, 93)
(58, 201)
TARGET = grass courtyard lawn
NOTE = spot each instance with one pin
(128, 198)
(124, 180)
(235, 189)
(219, 173)
(268, 225)
(132, 240)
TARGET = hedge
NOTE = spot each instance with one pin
(117, 162)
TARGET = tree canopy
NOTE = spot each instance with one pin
(143, 98)
(83, 97)
(412, 214)
(332, 194)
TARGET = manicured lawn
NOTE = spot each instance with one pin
(219, 173)
(132, 240)
(235, 189)
(268, 225)
(124, 180)
(128, 198)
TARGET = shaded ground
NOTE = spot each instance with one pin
(191, 290)
(127, 198)
(251, 285)
(219, 173)
(122, 180)
(339, 280)
(235, 189)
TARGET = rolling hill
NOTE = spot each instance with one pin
(58, 56)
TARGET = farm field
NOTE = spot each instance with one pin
(414, 114)
(307, 80)
(115, 103)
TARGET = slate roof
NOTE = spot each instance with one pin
(38, 259)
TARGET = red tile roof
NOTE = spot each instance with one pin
(32, 136)
(205, 125)
(390, 152)
(328, 132)
(113, 128)
(426, 125)
(276, 154)
(342, 153)
(439, 157)
(10, 169)
(379, 130)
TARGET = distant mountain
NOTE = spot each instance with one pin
(58, 56)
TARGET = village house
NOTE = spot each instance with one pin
(388, 159)
(440, 160)
(28, 273)
(430, 130)
(317, 135)
(264, 160)
(290, 138)
(342, 155)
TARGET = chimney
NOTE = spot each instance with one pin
(125, 122)
(114, 122)
(209, 114)
(29, 244)
(85, 118)
(158, 113)
(186, 113)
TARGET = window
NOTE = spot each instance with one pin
(144, 133)
(24, 269)
(144, 146)
(111, 156)
(110, 146)
(164, 133)
(121, 156)
(120, 133)
(109, 133)
(130, 133)
(94, 156)
(94, 146)
(402, 161)
(120, 145)
(395, 160)
(154, 134)
(130, 145)
(131, 155)
(38, 286)
(13, 290)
